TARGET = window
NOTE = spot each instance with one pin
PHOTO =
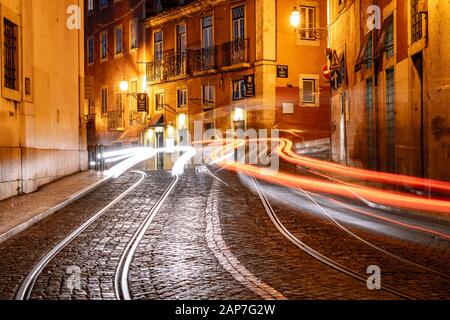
(390, 120)
(309, 89)
(103, 4)
(134, 91)
(90, 46)
(238, 90)
(158, 6)
(134, 34)
(181, 38)
(416, 22)
(11, 67)
(182, 98)
(90, 6)
(369, 52)
(308, 22)
(104, 45)
(159, 101)
(118, 40)
(389, 39)
(238, 23)
(158, 46)
(207, 32)
(119, 100)
(371, 146)
(104, 94)
(208, 94)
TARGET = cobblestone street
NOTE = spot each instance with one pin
(212, 239)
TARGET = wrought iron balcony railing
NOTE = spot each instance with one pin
(235, 52)
(115, 120)
(177, 64)
(155, 70)
(171, 65)
(198, 60)
(204, 59)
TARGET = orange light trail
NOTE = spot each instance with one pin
(286, 153)
(378, 196)
(405, 225)
(394, 199)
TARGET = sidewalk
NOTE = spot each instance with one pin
(21, 212)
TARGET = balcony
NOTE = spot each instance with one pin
(229, 56)
(155, 70)
(115, 120)
(204, 59)
(171, 65)
(235, 54)
(177, 65)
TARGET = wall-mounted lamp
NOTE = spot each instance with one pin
(295, 17)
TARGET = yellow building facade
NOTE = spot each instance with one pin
(41, 114)
(391, 111)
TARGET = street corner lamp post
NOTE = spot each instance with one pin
(295, 18)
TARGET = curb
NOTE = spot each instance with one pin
(41, 216)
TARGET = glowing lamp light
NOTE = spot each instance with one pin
(238, 115)
(170, 130)
(124, 86)
(182, 120)
(295, 18)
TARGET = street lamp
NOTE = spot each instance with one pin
(123, 86)
(295, 18)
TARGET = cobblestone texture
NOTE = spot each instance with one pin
(328, 239)
(191, 252)
(19, 254)
(253, 238)
(174, 261)
(98, 249)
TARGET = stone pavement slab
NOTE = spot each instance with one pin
(20, 212)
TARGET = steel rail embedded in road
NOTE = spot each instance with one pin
(121, 277)
(25, 290)
(288, 235)
(370, 244)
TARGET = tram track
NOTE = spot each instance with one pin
(26, 288)
(121, 284)
(315, 254)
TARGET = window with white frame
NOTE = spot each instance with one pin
(104, 45)
(208, 94)
(207, 32)
(182, 98)
(119, 100)
(133, 99)
(238, 16)
(308, 22)
(238, 90)
(158, 46)
(308, 89)
(90, 6)
(118, 43)
(134, 33)
(159, 101)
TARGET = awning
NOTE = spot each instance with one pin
(157, 121)
(381, 41)
(362, 56)
(133, 134)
